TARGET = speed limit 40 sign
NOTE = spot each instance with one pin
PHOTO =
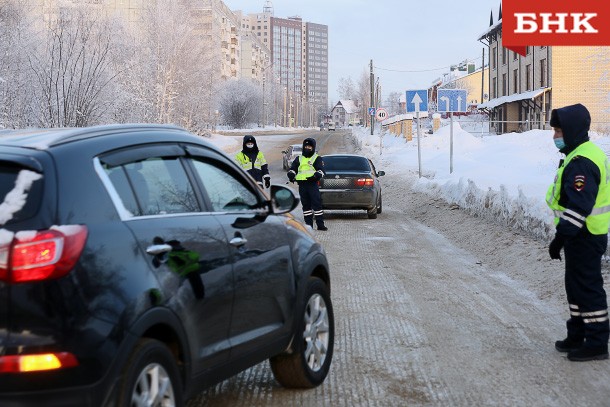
(381, 114)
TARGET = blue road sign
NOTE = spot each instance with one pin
(417, 100)
(452, 100)
(372, 111)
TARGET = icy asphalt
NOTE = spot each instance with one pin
(433, 307)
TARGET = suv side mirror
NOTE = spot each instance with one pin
(283, 199)
(380, 173)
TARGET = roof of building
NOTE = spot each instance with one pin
(490, 30)
(531, 94)
(348, 105)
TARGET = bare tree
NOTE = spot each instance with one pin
(239, 103)
(16, 35)
(346, 88)
(170, 76)
(393, 103)
(72, 70)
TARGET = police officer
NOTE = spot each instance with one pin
(253, 161)
(580, 200)
(307, 170)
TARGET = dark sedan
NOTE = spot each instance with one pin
(351, 182)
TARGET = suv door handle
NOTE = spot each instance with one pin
(158, 249)
(238, 241)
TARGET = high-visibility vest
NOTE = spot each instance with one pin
(599, 219)
(244, 161)
(306, 168)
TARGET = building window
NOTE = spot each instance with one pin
(494, 56)
(493, 88)
(516, 81)
(542, 73)
(514, 56)
(528, 50)
(503, 56)
(528, 77)
(504, 85)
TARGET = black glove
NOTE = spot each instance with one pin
(267, 182)
(315, 177)
(556, 246)
(291, 176)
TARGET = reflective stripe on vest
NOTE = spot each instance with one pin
(306, 168)
(599, 219)
(245, 163)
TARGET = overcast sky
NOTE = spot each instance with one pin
(398, 35)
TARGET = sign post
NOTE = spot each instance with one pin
(449, 101)
(416, 101)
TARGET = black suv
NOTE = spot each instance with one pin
(139, 265)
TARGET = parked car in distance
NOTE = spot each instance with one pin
(331, 126)
(351, 182)
(139, 265)
(289, 155)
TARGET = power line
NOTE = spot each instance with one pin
(422, 70)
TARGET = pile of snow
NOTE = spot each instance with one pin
(503, 177)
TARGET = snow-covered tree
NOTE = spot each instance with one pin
(346, 88)
(16, 34)
(72, 70)
(239, 103)
(170, 78)
(392, 103)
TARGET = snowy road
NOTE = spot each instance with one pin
(433, 307)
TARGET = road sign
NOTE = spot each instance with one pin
(371, 111)
(452, 100)
(417, 100)
(381, 114)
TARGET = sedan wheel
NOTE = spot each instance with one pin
(308, 364)
(372, 213)
(151, 377)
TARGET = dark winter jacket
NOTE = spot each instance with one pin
(318, 164)
(258, 170)
(574, 122)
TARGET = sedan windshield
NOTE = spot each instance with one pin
(345, 163)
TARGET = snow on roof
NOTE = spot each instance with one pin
(349, 106)
(512, 98)
(490, 29)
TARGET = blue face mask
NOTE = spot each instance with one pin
(559, 143)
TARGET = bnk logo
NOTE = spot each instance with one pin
(554, 22)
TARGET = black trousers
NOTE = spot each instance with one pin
(312, 202)
(585, 289)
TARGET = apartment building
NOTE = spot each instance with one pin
(524, 89)
(299, 58)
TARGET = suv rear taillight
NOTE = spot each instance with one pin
(37, 362)
(41, 255)
(364, 182)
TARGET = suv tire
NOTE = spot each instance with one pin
(312, 348)
(150, 366)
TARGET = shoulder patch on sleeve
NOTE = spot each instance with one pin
(579, 182)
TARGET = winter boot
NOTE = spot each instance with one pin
(322, 227)
(568, 345)
(584, 354)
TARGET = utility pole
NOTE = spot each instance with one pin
(372, 80)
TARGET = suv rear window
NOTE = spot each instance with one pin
(25, 195)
